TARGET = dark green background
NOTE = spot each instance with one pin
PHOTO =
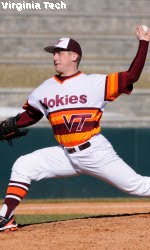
(131, 144)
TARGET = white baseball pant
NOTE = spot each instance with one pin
(99, 160)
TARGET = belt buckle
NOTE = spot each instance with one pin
(71, 150)
(78, 148)
(84, 146)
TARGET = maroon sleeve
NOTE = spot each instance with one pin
(126, 79)
(28, 119)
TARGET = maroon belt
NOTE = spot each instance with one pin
(80, 147)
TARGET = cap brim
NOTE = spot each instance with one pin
(49, 49)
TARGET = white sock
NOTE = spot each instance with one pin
(3, 210)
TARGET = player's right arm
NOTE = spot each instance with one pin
(28, 118)
(32, 113)
(10, 128)
(122, 82)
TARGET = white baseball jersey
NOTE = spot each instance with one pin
(74, 108)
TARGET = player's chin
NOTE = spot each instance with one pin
(58, 69)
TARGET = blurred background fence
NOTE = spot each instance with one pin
(131, 144)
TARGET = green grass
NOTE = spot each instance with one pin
(78, 200)
(23, 219)
(90, 200)
(45, 218)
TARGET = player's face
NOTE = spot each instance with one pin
(63, 61)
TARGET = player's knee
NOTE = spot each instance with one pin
(140, 186)
(20, 171)
(19, 164)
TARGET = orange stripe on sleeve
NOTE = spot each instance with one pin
(25, 105)
(112, 87)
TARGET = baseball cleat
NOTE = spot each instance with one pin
(7, 225)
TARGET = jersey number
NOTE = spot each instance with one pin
(79, 119)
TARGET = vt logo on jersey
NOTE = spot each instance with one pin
(78, 119)
(63, 100)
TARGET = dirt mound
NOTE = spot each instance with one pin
(112, 231)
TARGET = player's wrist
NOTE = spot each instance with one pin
(143, 41)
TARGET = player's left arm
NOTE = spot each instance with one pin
(122, 82)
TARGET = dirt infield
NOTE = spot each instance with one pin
(116, 225)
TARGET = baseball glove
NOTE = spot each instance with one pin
(9, 130)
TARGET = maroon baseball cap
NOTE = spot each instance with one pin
(67, 44)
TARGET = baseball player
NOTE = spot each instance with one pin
(74, 102)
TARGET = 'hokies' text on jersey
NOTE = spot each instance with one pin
(63, 100)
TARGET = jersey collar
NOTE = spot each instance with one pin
(61, 79)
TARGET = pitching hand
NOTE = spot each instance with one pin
(141, 34)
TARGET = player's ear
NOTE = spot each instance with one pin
(74, 57)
